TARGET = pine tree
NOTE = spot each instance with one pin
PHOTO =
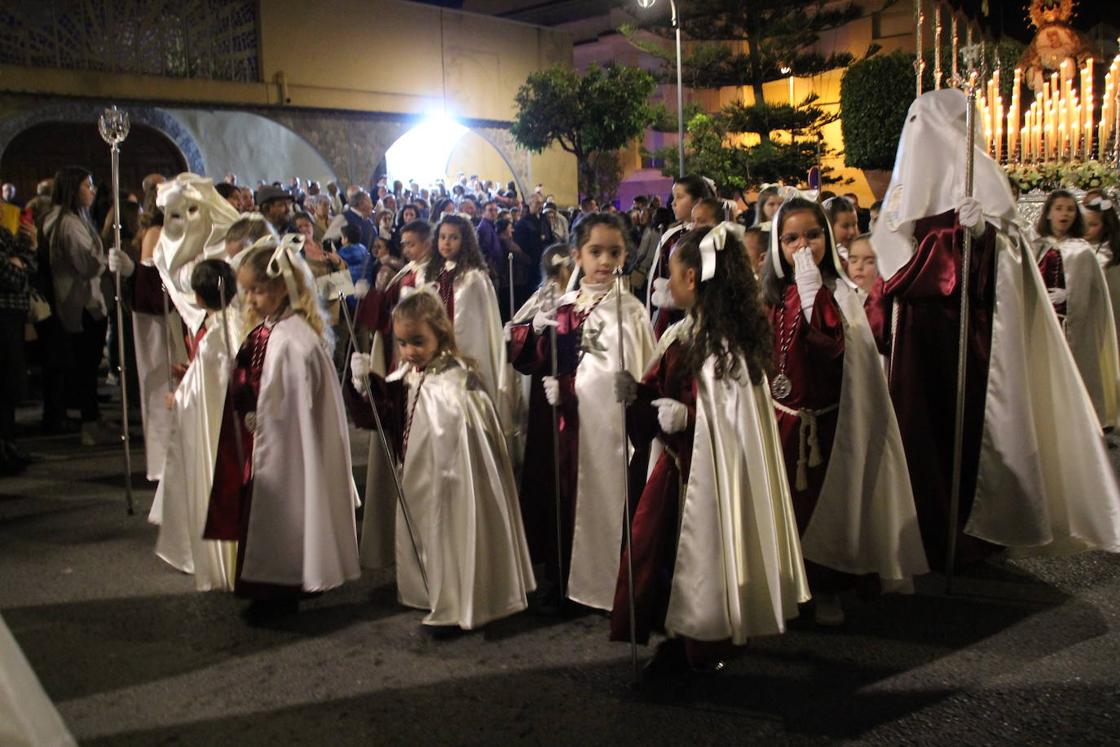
(748, 43)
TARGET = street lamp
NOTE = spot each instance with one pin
(680, 89)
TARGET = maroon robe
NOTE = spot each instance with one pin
(375, 313)
(530, 354)
(1054, 275)
(923, 373)
(654, 530)
(814, 363)
(655, 527)
(231, 495)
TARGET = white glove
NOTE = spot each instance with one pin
(662, 297)
(551, 390)
(118, 260)
(544, 318)
(625, 387)
(361, 288)
(507, 332)
(360, 367)
(1057, 295)
(808, 278)
(971, 215)
(672, 416)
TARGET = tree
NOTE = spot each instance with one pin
(748, 43)
(588, 116)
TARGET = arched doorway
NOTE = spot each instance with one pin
(42, 149)
(441, 148)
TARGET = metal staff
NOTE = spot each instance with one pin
(509, 264)
(231, 363)
(113, 126)
(389, 459)
(167, 339)
(626, 482)
(962, 342)
(556, 452)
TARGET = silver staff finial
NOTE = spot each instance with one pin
(113, 125)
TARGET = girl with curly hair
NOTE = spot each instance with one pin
(855, 511)
(461, 278)
(705, 574)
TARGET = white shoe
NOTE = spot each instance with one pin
(827, 610)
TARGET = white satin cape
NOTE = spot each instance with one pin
(150, 342)
(865, 520)
(183, 496)
(301, 526)
(478, 333)
(27, 715)
(1090, 327)
(597, 537)
(739, 571)
(1044, 480)
(459, 485)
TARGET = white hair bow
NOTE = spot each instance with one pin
(282, 262)
(714, 242)
(1100, 203)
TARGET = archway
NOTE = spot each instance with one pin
(42, 149)
(441, 148)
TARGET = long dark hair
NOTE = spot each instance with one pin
(67, 185)
(610, 220)
(1110, 229)
(470, 255)
(696, 187)
(1076, 229)
(729, 318)
(774, 287)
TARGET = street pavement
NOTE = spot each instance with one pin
(1023, 652)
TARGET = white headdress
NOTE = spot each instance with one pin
(195, 219)
(929, 175)
(713, 242)
(776, 244)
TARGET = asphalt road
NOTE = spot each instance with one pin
(1024, 652)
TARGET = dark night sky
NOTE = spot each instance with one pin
(1010, 16)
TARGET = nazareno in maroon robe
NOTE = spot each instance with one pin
(375, 313)
(923, 372)
(814, 363)
(655, 527)
(530, 354)
(1054, 276)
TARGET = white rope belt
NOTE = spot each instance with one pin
(809, 447)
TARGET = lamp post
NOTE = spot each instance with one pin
(680, 88)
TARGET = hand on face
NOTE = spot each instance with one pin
(800, 230)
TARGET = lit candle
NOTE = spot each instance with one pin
(936, 46)
(919, 63)
(954, 44)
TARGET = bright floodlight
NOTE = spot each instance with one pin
(646, 3)
(422, 153)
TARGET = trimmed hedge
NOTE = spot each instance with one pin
(875, 95)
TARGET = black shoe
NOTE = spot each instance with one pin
(669, 660)
(12, 451)
(268, 611)
(443, 632)
(63, 426)
(10, 467)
